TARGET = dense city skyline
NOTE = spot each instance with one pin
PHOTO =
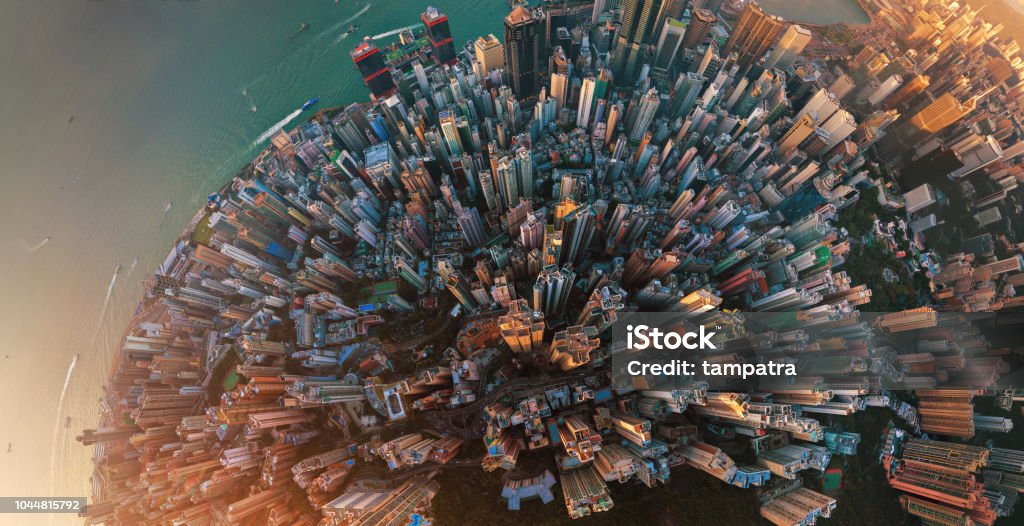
(400, 292)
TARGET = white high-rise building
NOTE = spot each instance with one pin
(524, 165)
(885, 89)
(982, 153)
(839, 126)
(648, 108)
(586, 103)
(821, 106)
(792, 43)
(421, 77)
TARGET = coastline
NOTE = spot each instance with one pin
(141, 307)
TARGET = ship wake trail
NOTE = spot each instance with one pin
(277, 127)
(56, 422)
(355, 16)
(350, 19)
(106, 302)
(37, 246)
(394, 31)
(166, 209)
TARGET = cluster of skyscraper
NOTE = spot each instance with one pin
(496, 207)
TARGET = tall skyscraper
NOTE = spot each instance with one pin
(637, 29)
(524, 50)
(842, 85)
(669, 43)
(701, 23)
(507, 182)
(382, 167)
(839, 126)
(524, 169)
(801, 129)
(601, 310)
(457, 284)
(371, 66)
(648, 107)
(908, 91)
(753, 34)
(885, 89)
(487, 187)
(410, 275)
(613, 121)
(559, 88)
(472, 227)
(450, 132)
(793, 41)
(942, 112)
(820, 106)
(435, 25)
(531, 232)
(522, 328)
(571, 348)
(586, 103)
(489, 53)
(578, 229)
(552, 289)
(670, 9)
(684, 95)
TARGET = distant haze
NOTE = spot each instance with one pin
(1016, 5)
(1009, 12)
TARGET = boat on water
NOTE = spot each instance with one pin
(309, 103)
(302, 27)
(117, 270)
(352, 28)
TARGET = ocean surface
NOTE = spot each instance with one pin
(821, 12)
(156, 91)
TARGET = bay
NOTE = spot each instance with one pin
(820, 12)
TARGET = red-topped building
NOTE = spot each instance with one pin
(436, 27)
(371, 65)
